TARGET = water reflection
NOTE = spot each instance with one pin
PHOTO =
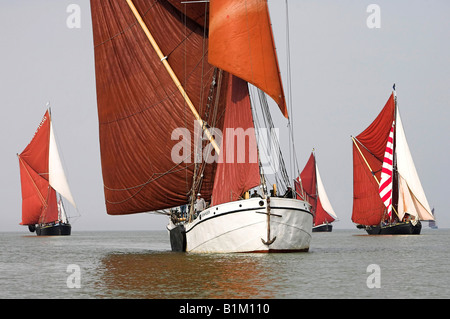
(179, 275)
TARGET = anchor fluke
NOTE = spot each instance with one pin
(269, 242)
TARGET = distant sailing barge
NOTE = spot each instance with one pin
(388, 197)
(315, 194)
(44, 184)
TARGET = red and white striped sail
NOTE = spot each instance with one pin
(386, 173)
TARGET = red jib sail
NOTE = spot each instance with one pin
(368, 154)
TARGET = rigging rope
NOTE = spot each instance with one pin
(293, 154)
(273, 147)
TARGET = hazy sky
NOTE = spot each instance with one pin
(342, 75)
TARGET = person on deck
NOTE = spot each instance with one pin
(255, 194)
(183, 211)
(200, 204)
(289, 193)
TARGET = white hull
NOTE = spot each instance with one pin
(242, 226)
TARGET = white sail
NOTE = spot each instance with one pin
(408, 204)
(62, 213)
(57, 178)
(411, 190)
(323, 196)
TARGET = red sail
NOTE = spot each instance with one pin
(34, 194)
(50, 213)
(368, 150)
(309, 182)
(36, 152)
(33, 163)
(139, 106)
(241, 42)
(322, 216)
(238, 169)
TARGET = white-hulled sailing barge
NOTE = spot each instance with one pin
(161, 68)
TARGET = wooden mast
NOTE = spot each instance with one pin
(172, 74)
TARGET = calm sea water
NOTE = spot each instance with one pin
(141, 265)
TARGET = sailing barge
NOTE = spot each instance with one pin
(167, 73)
(44, 184)
(315, 194)
(388, 197)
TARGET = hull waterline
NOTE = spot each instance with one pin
(322, 228)
(53, 230)
(404, 228)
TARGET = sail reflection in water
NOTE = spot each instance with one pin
(173, 275)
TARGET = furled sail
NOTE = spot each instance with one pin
(241, 42)
(368, 152)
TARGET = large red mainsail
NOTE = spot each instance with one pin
(140, 106)
(368, 153)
